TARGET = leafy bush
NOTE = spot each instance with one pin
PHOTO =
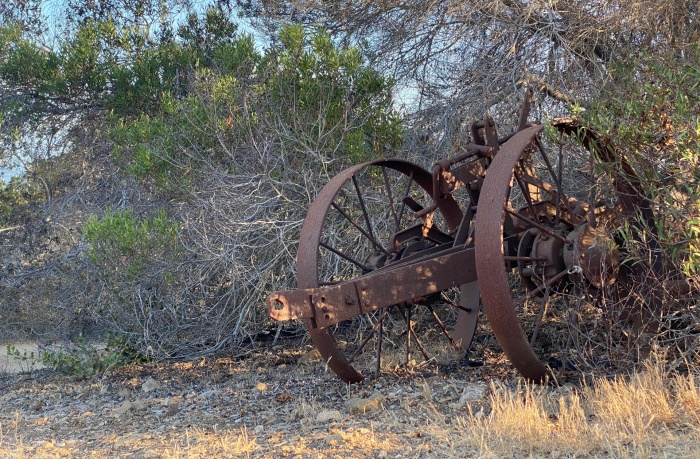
(651, 113)
(82, 359)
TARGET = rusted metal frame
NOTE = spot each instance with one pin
(537, 225)
(468, 175)
(384, 287)
(492, 139)
(369, 236)
(417, 232)
(533, 259)
(525, 111)
(437, 175)
(445, 180)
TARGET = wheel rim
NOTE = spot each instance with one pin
(544, 247)
(346, 235)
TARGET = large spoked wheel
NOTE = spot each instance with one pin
(546, 232)
(349, 232)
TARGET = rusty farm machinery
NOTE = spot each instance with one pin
(507, 227)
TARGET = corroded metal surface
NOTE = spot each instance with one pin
(550, 244)
(490, 264)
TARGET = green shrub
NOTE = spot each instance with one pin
(81, 359)
(123, 246)
(650, 111)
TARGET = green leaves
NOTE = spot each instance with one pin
(650, 113)
(123, 246)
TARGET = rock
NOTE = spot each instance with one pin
(172, 401)
(427, 393)
(333, 438)
(127, 406)
(210, 393)
(257, 430)
(150, 385)
(262, 387)
(312, 356)
(328, 416)
(366, 405)
(472, 393)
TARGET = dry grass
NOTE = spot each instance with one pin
(648, 414)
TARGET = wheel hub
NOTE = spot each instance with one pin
(595, 252)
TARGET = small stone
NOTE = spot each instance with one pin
(210, 393)
(366, 405)
(128, 405)
(472, 393)
(333, 438)
(427, 393)
(262, 387)
(329, 416)
(257, 430)
(124, 408)
(172, 401)
(150, 385)
(311, 356)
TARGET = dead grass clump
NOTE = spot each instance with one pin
(531, 419)
(688, 400)
(645, 414)
(11, 443)
(633, 408)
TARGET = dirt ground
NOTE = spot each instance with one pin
(280, 402)
(283, 402)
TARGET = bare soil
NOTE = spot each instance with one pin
(283, 402)
(280, 402)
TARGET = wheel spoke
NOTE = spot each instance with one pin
(380, 341)
(526, 193)
(537, 225)
(361, 201)
(442, 327)
(354, 217)
(444, 299)
(369, 236)
(345, 257)
(409, 329)
(560, 196)
(392, 205)
(377, 326)
(544, 286)
(405, 195)
(540, 315)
